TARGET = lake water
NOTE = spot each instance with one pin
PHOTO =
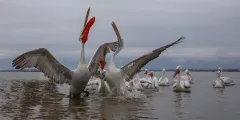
(29, 96)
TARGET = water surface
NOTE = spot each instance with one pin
(30, 96)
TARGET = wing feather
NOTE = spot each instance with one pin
(129, 70)
(45, 62)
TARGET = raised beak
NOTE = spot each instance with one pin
(102, 63)
(176, 73)
(84, 36)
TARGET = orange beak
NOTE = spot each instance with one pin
(86, 30)
(102, 63)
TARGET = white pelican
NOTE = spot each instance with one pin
(227, 81)
(44, 61)
(103, 87)
(153, 80)
(218, 83)
(180, 85)
(144, 81)
(163, 81)
(187, 76)
(136, 82)
(102, 82)
(116, 77)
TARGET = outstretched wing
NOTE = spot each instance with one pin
(129, 70)
(45, 62)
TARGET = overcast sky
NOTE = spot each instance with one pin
(211, 27)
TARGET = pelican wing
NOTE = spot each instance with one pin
(101, 54)
(104, 49)
(45, 62)
(134, 66)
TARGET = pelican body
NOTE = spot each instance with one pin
(218, 83)
(180, 85)
(163, 81)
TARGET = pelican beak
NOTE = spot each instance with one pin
(102, 63)
(176, 73)
(85, 32)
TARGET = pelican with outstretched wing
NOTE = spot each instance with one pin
(44, 61)
(116, 78)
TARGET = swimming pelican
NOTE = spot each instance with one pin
(144, 81)
(180, 85)
(44, 61)
(153, 80)
(218, 83)
(163, 81)
(187, 76)
(227, 81)
(117, 77)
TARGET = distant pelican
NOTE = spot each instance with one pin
(163, 81)
(218, 83)
(227, 81)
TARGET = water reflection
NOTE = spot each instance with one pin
(178, 104)
(219, 91)
(35, 99)
(179, 97)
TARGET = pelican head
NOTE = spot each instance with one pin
(178, 67)
(86, 29)
(177, 72)
(151, 74)
(146, 71)
(220, 69)
(163, 71)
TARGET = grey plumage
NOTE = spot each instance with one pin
(44, 61)
(130, 69)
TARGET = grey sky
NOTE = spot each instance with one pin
(212, 27)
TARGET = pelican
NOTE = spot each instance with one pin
(103, 87)
(218, 83)
(103, 84)
(144, 80)
(227, 81)
(136, 82)
(44, 61)
(187, 76)
(153, 80)
(163, 81)
(180, 85)
(116, 77)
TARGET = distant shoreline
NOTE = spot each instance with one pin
(192, 70)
